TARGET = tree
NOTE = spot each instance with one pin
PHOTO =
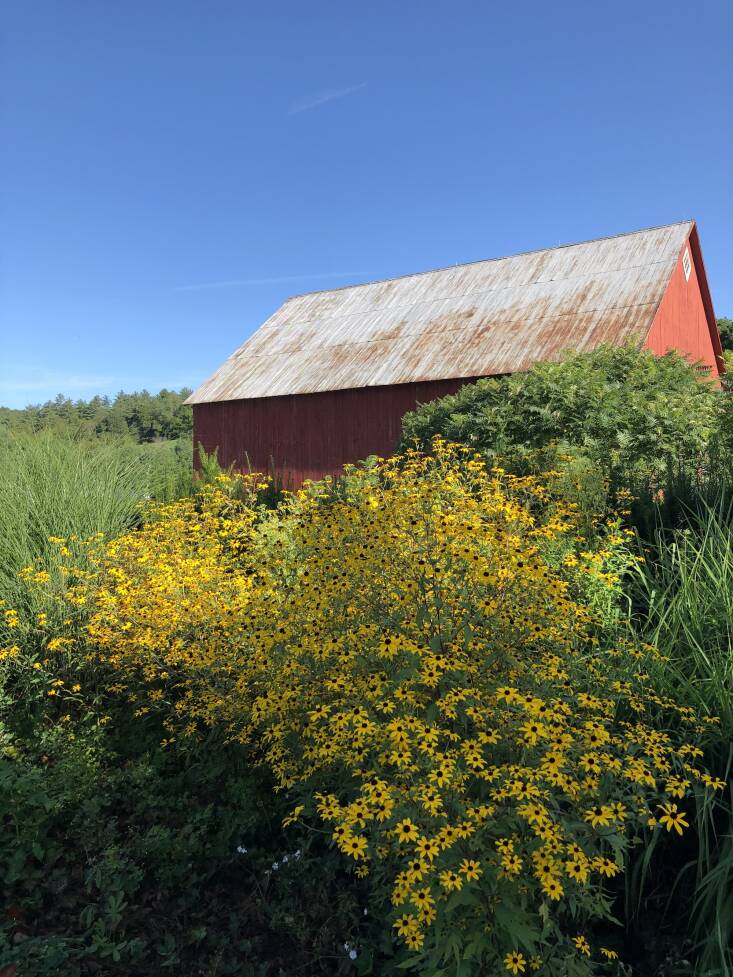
(725, 328)
(140, 415)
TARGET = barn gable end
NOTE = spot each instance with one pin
(685, 320)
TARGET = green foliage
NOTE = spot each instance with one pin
(117, 858)
(725, 328)
(633, 415)
(140, 416)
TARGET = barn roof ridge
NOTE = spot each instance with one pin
(481, 261)
(480, 292)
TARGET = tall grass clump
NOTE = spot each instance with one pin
(168, 467)
(685, 587)
(684, 590)
(53, 486)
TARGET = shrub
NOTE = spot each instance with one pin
(636, 416)
(417, 659)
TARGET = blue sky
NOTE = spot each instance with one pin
(172, 170)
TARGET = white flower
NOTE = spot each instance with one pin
(353, 954)
(241, 850)
(275, 866)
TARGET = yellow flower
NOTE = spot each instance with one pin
(422, 899)
(406, 831)
(450, 880)
(512, 865)
(293, 816)
(606, 867)
(308, 631)
(578, 871)
(714, 783)
(582, 945)
(672, 818)
(427, 847)
(471, 869)
(677, 786)
(599, 816)
(406, 924)
(552, 887)
(355, 846)
(415, 939)
(515, 962)
(532, 731)
(416, 869)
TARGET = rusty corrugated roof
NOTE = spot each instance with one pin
(479, 319)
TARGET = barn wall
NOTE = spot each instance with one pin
(682, 321)
(310, 435)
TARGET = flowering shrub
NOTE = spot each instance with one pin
(417, 660)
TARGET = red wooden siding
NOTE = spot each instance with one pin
(683, 319)
(310, 435)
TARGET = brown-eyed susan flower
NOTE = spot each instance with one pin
(578, 871)
(422, 898)
(606, 867)
(405, 924)
(427, 848)
(451, 880)
(672, 818)
(415, 939)
(471, 869)
(515, 962)
(677, 786)
(511, 865)
(714, 783)
(341, 832)
(552, 887)
(599, 816)
(406, 831)
(293, 816)
(355, 846)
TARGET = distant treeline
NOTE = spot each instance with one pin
(142, 416)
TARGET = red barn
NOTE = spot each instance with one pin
(327, 379)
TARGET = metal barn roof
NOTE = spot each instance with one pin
(479, 319)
